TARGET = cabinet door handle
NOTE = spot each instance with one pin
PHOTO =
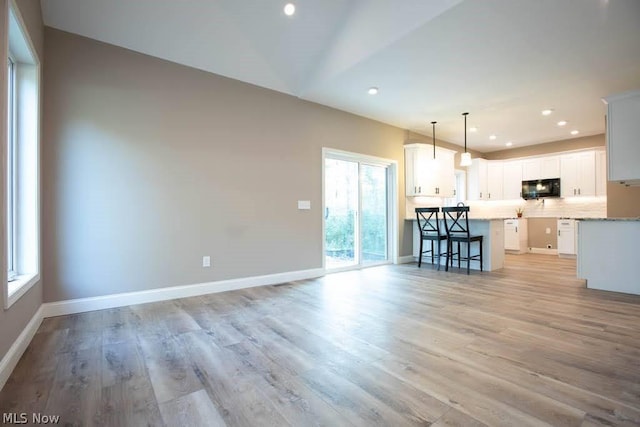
(489, 195)
(574, 191)
(454, 191)
(516, 229)
(558, 233)
(578, 191)
(420, 189)
(481, 194)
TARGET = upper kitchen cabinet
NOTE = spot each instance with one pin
(477, 180)
(486, 180)
(541, 168)
(512, 180)
(495, 180)
(426, 176)
(623, 137)
(577, 174)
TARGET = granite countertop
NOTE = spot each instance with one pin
(608, 219)
(471, 219)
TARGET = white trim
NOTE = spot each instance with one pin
(24, 283)
(407, 259)
(12, 357)
(543, 251)
(80, 305)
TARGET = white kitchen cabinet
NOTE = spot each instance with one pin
(546, 167)
(516, 235)
(623, 131)
(477, 180)
(549, 167)
(495, 177)
(566, 237)
(577, 174)
(425, 176)
(601, 173)
(531, 169)
(512, 180)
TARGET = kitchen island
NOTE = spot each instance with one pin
(492, 245)
(608, 254)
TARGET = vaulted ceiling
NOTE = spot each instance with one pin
(503, 61)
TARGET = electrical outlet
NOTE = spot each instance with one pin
(206, 261)
(548, 230)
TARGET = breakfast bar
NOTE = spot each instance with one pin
(493, 243)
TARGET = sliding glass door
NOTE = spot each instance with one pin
(356, 211)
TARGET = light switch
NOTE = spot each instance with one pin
(548, 230)
(304, 204)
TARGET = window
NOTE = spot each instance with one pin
(22, 162)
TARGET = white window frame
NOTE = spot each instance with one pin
(21, 165)
(11, 168)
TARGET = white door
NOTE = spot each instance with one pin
(359, 209)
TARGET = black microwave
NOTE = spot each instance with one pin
(537, 188)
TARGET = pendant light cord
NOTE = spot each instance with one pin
(434, 139)
(465, 131)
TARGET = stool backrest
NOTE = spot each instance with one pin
(426, 222)
(456, 220)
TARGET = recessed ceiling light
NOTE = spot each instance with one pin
(547, 112)
(289, 9)
(574, 132)
(509, 144)
(492, 137)
(473, 129)
(373, 90)
(562, 122)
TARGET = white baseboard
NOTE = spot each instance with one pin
(80, 305)
(12, 357)
(543, 251)
(406, 259)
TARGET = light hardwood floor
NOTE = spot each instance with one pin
(392, 345)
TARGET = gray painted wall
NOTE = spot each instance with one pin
(14, 320)
(149, 165)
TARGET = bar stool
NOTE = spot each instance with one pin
(429, 231)
(456, 222)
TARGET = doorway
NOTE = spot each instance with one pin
(359, 210)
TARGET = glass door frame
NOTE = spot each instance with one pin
(392, 205)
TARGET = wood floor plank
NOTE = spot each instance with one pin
(169, 369)
(298, 404)
(76, 393)
(232, 391)
(191, 410)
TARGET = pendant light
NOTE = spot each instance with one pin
(465, 158)
(434, 139)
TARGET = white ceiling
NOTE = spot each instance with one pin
(503, 61)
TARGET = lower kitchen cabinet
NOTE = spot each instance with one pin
(516, 235)
(567, 237)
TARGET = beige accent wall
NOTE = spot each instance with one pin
(149, 165)
(622, 202)
(14, 320)
(538, 237)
